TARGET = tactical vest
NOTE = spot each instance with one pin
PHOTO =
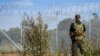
(79, 30)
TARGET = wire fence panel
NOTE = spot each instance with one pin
(58, 19)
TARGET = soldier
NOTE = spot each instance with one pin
(76, 33)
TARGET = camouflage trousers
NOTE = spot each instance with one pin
(83, 46)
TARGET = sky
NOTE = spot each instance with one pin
(11, 11)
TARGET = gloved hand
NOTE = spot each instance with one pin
(78, 38)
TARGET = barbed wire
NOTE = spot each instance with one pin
(20, 8)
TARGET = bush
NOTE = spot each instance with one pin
(36, 36)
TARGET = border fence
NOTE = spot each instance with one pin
(55, 14)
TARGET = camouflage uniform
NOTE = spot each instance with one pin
(77, 38)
